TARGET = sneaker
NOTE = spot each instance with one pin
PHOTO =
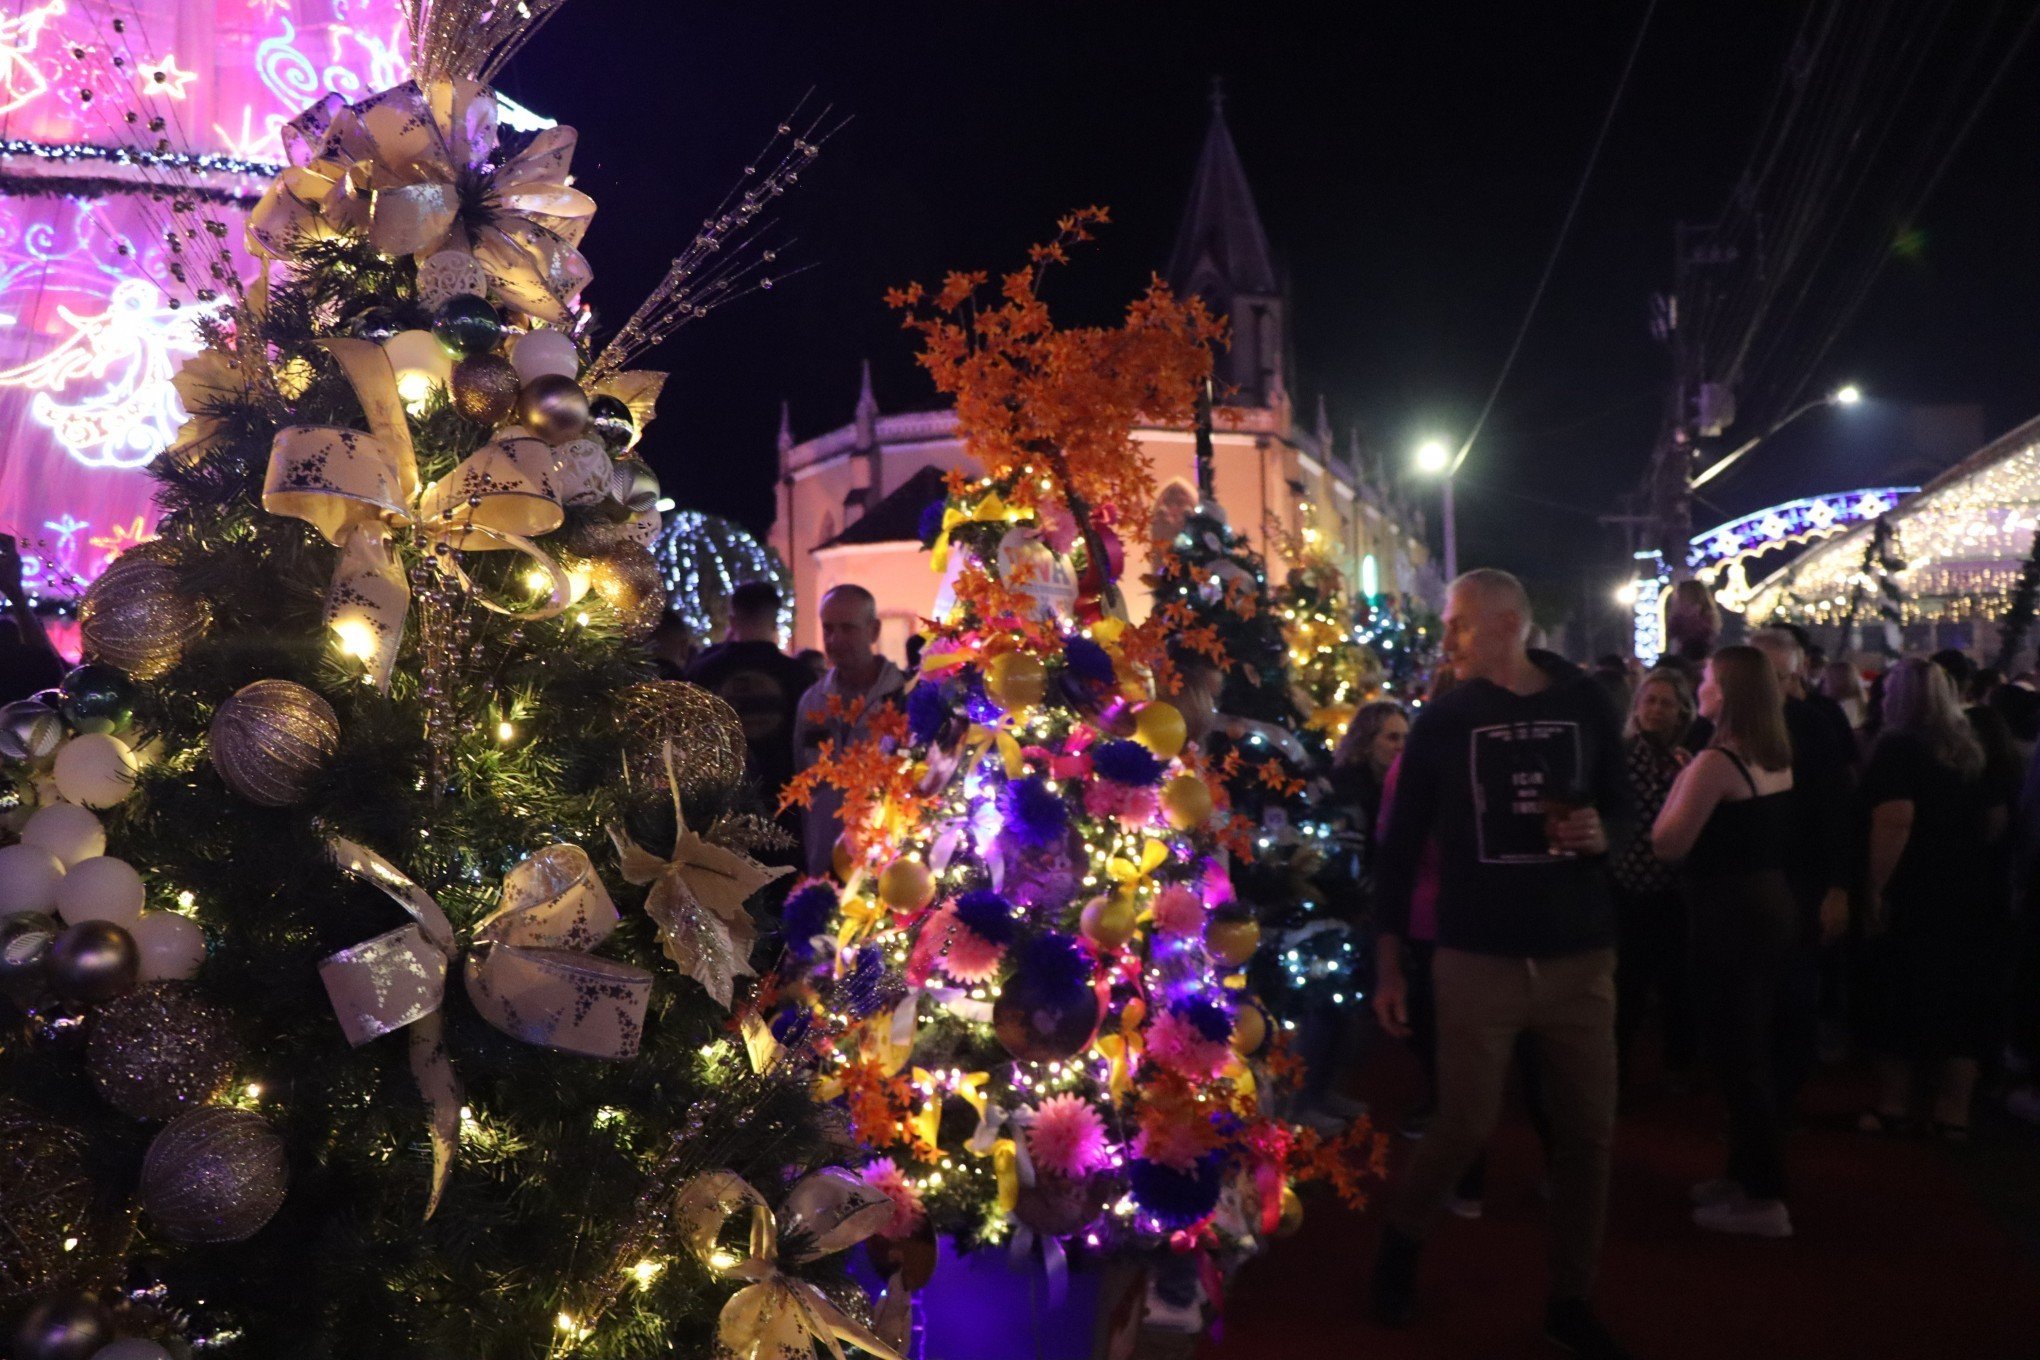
(1715, 1191)
(1394, 1296)
(1571, 1325)
(1460, 1206)
(1748, 1217)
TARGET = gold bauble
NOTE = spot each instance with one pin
(1186, 800)
(271, 739)
(553, 407)
(45, 1202)
(139, 618)
(1015, 680)
(1109, 921)
(1292, 1213)
(843, 857)
(1250, 1029)
(1232, 940)
(592, 533)
(707, 736)
(906, 886)
(485, 388)
(1159, 727)
(627, 580)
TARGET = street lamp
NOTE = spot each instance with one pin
(1434, 459)
(1846, 395)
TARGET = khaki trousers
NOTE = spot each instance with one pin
(1567, 1006)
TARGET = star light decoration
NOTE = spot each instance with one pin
(165, 79)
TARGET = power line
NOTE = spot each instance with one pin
(1564, 230)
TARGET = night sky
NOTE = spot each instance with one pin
(1412, 163)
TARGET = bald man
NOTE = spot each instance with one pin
(1517, 775)
(861, 681)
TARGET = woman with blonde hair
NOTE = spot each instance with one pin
(1650, 911)
(1935, 900)
(1728, 821)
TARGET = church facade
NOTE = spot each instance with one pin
(850, 499)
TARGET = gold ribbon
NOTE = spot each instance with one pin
(528, 975)
(1129, 877)
(697, 899)
(1006, 1168)
(775, 1314)
(991, 510)
(354, 488)
(981, 738)
(414, 170)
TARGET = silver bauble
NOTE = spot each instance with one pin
(214, 1175)
(139, 617)
(161, 1050)
(271, 739)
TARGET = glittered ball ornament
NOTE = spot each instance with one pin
(96, 697)
(29, 877)
(485, 389)
(611, 419)
(26, 939)
(68, 831)
(30, 730)
(541, 354)
(467, 325)
(101, 889)
(1186, 801)
(161, 1050)
(1041, 1023)
(172, 946)
(1015, 680)
(906, 886)
(1159, 727)
(93, 962)
(95, 770)
(634, 485)
(214, 1175)
(553, 407)
(1232, 940)
(139, 617)
(45, 1201)
(627, 579)
(71, 1325)
(271, 739)
(706, 734)
(1109, 921)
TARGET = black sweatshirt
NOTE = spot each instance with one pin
(1479, 765)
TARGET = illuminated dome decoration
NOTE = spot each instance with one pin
(130, 151)
(703, 558)
(1962, 538)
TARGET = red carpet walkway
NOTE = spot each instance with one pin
(1895, 1257)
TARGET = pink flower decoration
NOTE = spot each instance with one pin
(970, 957)
(936, 928)
(1076, 766)
(908, 1211)
(1134, 807)
(1058, 527)
(1179, 911)
(1181, 1047)
(1067, 1137)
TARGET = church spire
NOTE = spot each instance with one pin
(1222, 256)
(785, 427)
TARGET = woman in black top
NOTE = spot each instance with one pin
(1728, 819)
(1650, 911)
(1937, 887)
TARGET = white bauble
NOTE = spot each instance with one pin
(67, 831)
(172, 946)
(95, 770)
(102, 889)
(447, 275)
(29, 876)
(538, 353)
(131, 1348)
(416, 355)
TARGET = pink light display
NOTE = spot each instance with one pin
(103, 103)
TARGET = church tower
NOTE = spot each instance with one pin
(1222, 256)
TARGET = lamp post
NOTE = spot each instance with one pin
(1846, 395)
(1434, 459)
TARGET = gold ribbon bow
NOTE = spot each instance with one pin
(1123, 1050)
(414, 169)
(991, 510)
(355, 487)
(982, 737)
(697, 899)
(775, 1314)
(1129, 877)
(527, 975)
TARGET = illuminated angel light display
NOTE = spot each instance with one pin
(102, 104)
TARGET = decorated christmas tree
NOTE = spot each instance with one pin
(1331, 672)
(1036, 847)
(371, 920)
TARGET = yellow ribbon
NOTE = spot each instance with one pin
(775, 1314)
(1123, 1050)
(355, 487)
(1006, 1167)
(1131, 877)
(860, 915)
(981, 738)
(991, 510)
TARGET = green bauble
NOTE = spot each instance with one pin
(467, 325)
(97, 698)
(613, 423)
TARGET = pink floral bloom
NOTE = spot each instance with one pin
(908, 1211)
(1217, 883)
(1181, 1047)
(1076, 766)
(1179, 911)
(1134, 807)
(969, 956)
(1058, 527)
(1067, 1137)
